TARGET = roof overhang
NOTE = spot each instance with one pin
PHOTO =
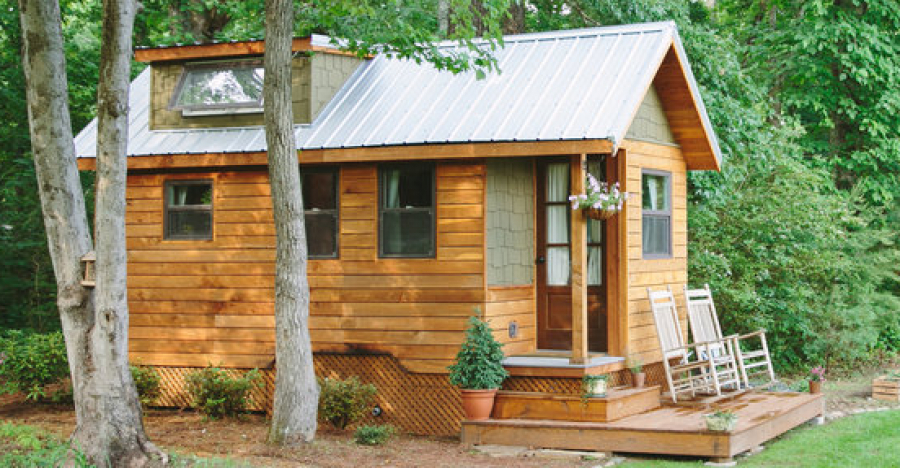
(314, 43)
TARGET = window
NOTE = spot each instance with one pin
(188, 209)
(320, 197)
(221, 87)
(656, 195)
(406, 211)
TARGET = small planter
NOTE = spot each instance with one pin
(594, 386)
(638, 378)
(886, 388)
(720, 421)
(598, 214)
(815, 387)
(477, 404)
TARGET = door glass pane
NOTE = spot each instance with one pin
(558, 182)
(558, 224)
(595, 265)
(594, 231)
(558, 268)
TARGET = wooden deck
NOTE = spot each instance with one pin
(669, 430)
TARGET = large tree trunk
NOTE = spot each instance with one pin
(296, 390)
(109, 430)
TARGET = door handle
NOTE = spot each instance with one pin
(540, 260)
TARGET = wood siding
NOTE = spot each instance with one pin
(199, 302)
(507, 304)
(655, 273)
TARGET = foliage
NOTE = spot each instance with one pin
(28, 446)
(343, 402)
(31, 361)
(373, 435)
(721, 420)
(479, 361)
(599, 196)
(146, 380)
(817, 374)
(634, 364)
(215, 393)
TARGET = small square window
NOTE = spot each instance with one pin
(656, 214)
(320, 204)
(188, 209)
(223, 87)
(406, 211)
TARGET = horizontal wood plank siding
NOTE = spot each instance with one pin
(507, 304)
(195, 303)
(654, 273)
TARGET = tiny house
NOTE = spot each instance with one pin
(429, 197)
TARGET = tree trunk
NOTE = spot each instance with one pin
(109, 429)
(296, 390)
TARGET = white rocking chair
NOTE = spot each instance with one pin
(690, 369)
(704, 321)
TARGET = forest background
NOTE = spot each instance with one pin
(798, 234)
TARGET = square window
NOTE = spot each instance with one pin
(188, 209)
(656, 214)
(320, 205)
(406, 211)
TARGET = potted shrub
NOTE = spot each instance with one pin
(600, 200)
(638, 377)
(478, 370)
(816, 377)
(721, 421)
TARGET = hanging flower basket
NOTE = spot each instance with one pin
(599, 214)
(600, 201)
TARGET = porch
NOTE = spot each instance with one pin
(664, 430)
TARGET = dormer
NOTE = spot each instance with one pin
(220, 84)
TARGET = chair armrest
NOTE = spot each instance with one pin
(760, 332)
(700, 344)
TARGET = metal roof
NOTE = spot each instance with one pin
(562, 85)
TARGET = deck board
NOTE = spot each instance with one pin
(669, 430)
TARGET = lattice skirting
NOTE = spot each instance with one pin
(417, 403)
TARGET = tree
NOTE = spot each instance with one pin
(95, 323)
(296, 391)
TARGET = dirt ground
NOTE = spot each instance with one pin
(242, 441)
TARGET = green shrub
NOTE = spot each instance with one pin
(479, 363)
(373, 435)
(146, 380)
(343, 402)
(215, 393)
(31, 361)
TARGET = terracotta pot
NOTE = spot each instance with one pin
(477, 404)
(638, 378)
(815, 387)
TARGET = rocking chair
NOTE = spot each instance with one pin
(704, 322)
(690, 369)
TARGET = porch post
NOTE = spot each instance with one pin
(578, 244)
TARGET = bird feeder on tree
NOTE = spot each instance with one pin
(88, 267)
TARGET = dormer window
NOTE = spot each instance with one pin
(216, 88)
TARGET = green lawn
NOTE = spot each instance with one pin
(865, 440)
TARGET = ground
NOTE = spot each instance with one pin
(241, 441)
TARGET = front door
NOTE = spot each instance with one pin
(554, 290)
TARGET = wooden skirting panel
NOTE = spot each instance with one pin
(567, 385)
(416, 403)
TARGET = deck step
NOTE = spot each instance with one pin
(619, 403)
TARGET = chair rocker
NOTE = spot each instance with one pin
(753, 361)
(695, 368)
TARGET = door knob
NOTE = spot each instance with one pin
(540, 260)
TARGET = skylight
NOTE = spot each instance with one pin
(222, 87)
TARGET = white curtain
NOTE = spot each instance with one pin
(558, 266)
(391, 221)
(392, 189)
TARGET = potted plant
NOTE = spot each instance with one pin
(721, 421)
(593, 386)
(816, 377)
(638, 377)
(600, 201)
(478, 370)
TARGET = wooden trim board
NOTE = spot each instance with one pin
(618, 403)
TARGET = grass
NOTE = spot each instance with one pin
(23, 446)
(869, 439)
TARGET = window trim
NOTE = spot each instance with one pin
(432, 210)
(214, 109)
(207, 208)
(667, 213)
(336, 211)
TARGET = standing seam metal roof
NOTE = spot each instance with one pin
(562, 85)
